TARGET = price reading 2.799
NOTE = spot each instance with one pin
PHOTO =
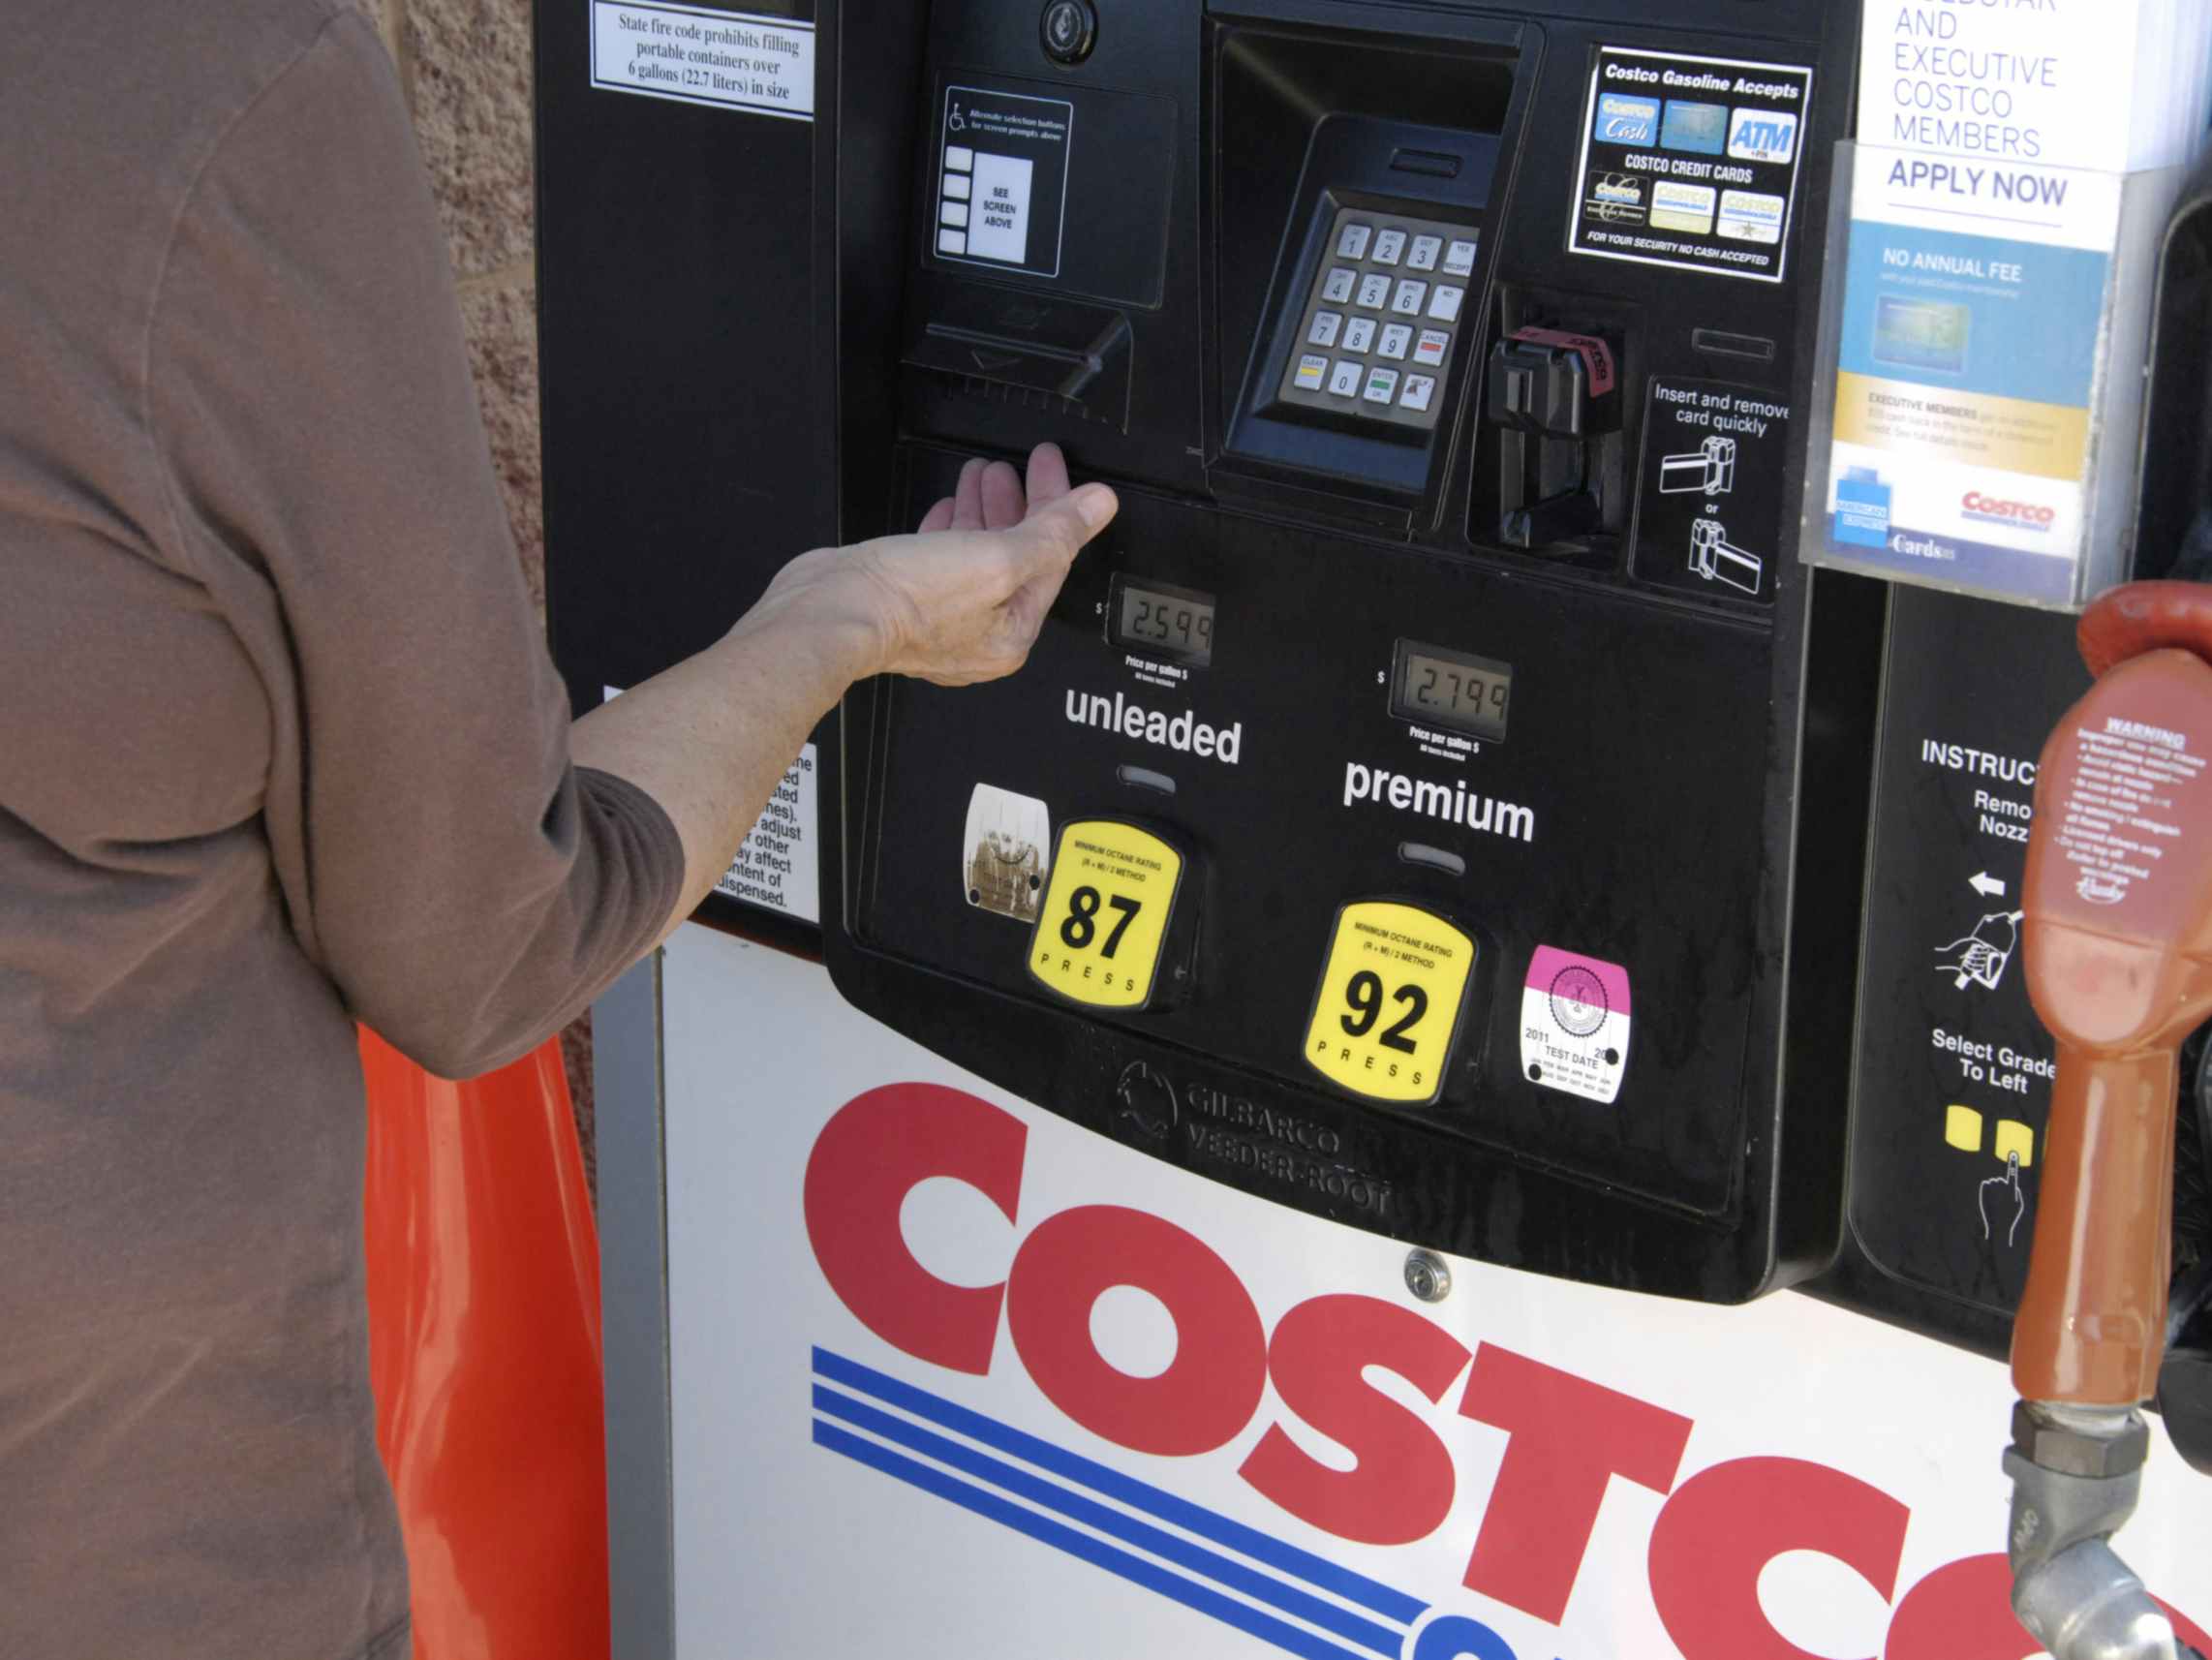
(1441, 688)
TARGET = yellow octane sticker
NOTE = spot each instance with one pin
(1389, 1005)
(1106, 913)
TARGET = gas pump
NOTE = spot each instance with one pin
(1442, 768)
(1444, 807)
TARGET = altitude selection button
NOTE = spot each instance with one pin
(1105, 915)
(1387, 1013)
(1069, 29)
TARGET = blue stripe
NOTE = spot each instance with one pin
(1150, 1575)
(1382, 1638)
(1140, 1496)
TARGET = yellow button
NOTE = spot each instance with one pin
(1106, 913)
(1962, 1128)
(1388, 1005)
(2016, 1138)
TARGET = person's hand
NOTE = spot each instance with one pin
(962, 599)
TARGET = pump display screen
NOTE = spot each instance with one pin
(1170, 622)
(1450, 689)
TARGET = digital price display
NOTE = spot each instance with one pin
(1167, 621)
(1441, 688)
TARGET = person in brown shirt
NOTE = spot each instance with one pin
(281, 750)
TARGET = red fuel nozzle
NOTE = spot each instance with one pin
(2118, 955)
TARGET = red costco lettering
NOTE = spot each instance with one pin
(880, 1148)
(1210, 1389)
(1400, 1484)
(1568, 1435)
(1570, 1438)
(1990, 508)
(1719, 1534)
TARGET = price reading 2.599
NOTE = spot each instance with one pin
(1165, 622)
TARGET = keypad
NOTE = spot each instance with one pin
(1377, 328)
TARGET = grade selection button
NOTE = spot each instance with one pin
(1105, 913)
(1388, 1010)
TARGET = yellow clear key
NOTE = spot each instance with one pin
(1106, 911)
(1388, 1010)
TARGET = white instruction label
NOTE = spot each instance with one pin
(777, 865)
(732, 60)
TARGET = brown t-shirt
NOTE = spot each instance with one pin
(280, 749)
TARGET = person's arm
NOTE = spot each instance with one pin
(313, 427)
(710, 738)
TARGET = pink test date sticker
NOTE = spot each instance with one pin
(1574, 1024)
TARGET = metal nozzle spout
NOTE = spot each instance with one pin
(2086, 1604)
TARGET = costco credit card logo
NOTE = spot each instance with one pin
(1574, 1449)
(1624, 120)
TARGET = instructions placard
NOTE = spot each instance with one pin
(1954, 1071)
(730, 60)
(1690, 162)
(778, 865)
(1709, 505)
(1002, 179)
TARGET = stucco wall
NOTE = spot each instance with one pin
(465, 68)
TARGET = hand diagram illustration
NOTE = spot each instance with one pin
(1981, 957)
(1994, 1196)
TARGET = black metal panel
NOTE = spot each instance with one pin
(1664, 723)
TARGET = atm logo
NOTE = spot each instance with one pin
(1573, 1447)
(1763, 136)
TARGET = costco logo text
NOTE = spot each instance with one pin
(1567, 1437)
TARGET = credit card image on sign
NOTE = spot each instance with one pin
(1387, 1014)
(1107, 910)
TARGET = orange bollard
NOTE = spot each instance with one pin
(483, 1280)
